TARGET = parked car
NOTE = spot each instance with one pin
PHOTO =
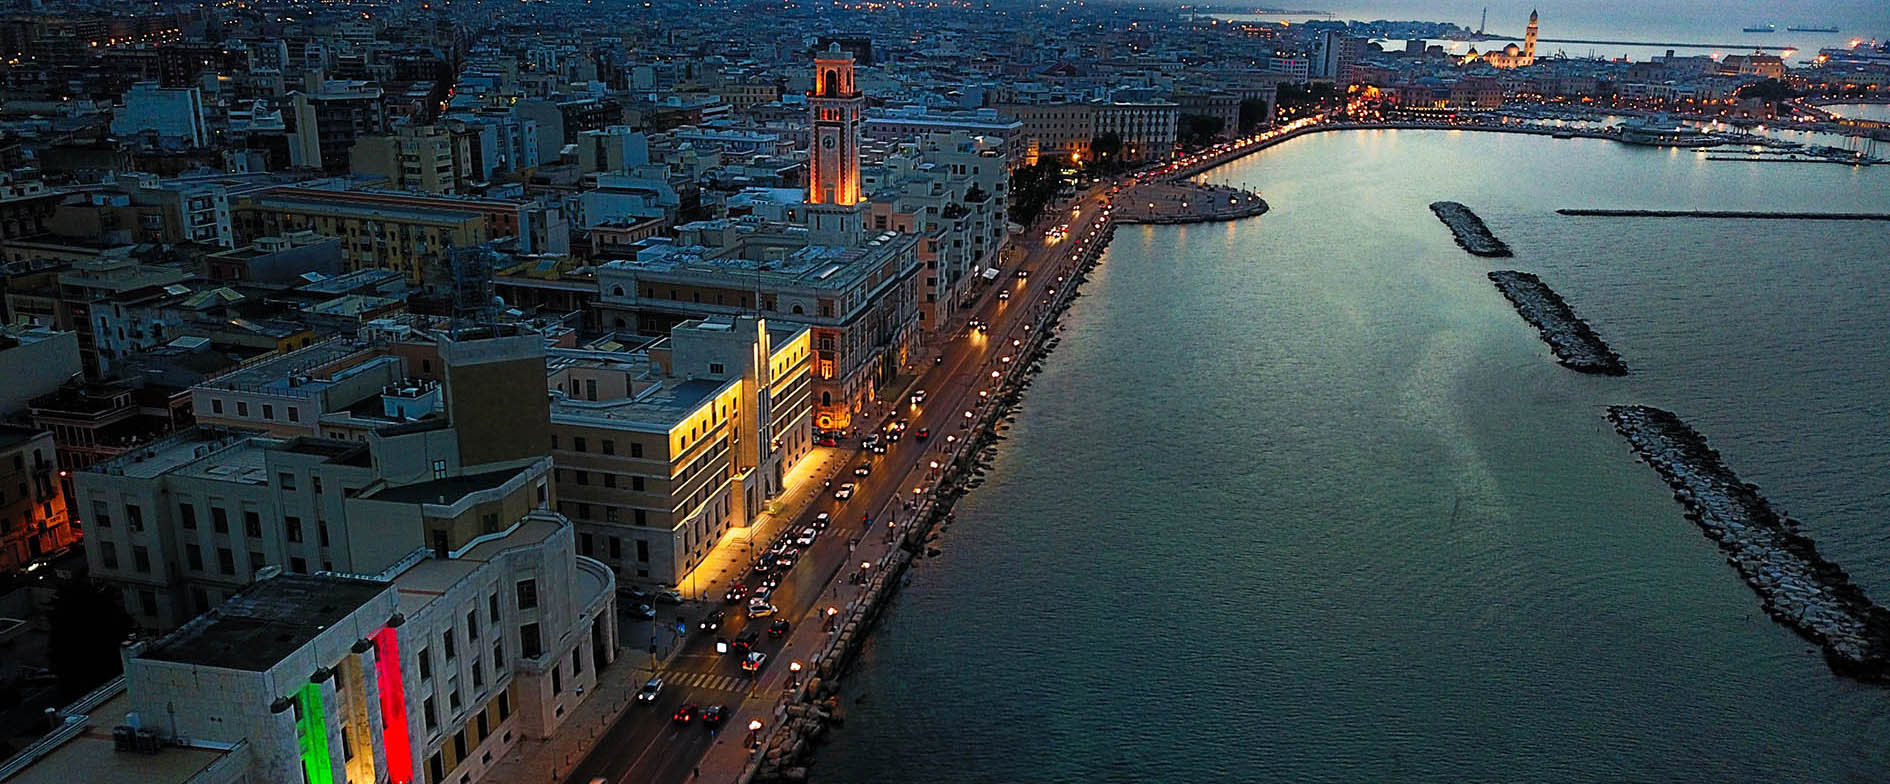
(671, 596)
(651, 688)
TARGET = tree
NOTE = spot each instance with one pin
(1253, 114)
(1032, 187)
(1194, 131)
(87, 626)
(1768, 90)
(1295, 102)
(1106, 148)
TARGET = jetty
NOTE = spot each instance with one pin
(1186, 202)
(1575, 344)
(1851, 216)
(1471, 234)
(1796, 586)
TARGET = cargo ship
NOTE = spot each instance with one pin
(1812, 29)
(1761, 29)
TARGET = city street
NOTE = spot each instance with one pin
(644, 744)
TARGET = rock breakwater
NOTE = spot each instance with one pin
(1471, 234)
(1575, 344)
(1844, 216)
(1796, 586)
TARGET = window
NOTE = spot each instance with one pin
(147, 602)
(193, 557)
(108, 555)
(226, 561)
(479, 675)
(242, 408)
(219, 520)
(616, 549)
(610, 447)
(298, 565)
(321, 529)
(140, 558)
(436, 770)
(134, 516)
(642, 517)
(101, 514)
(492, 607)
(216, 406)
(527, 594)
(636, 449)
(439, 469)
(610, 480)
(295, 414)
(636, 483)
(285, 480)
(426, 663)
(557, 679)
(577, 662)
(505, 705)
(498, 655)
(315, 483)
(459, 743)
(293, 525)
(453, 702)
(269, 411)
(432, 714)
(716, 369)
(255, 560)
(451, 651)
(643, 550)
(577, 443)
(472, 625)
(188, 515)
(582, 477)
(252, 524)
(529, 645)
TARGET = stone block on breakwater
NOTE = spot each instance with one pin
(1796, 586)
(1575, 344)
(1471, 234)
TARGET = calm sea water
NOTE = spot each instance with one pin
(1865, 111)
(1302, 499)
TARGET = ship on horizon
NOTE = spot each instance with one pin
(1812, 29)
(1761, 29)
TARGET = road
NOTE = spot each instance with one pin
(643, 745)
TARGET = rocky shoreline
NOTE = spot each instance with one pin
(1575, 344)
(810, 711)
(1471, 234)
(1796, 586)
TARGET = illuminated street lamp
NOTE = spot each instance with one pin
(794, 674)
(754, 726)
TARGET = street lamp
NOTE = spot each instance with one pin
(794, 674)
(754, 726)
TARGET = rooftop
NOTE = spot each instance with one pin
(92, 755)
(370, 211)
(264, 622)
(447, 490)
(300, 373)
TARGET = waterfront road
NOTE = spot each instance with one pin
(643, 744)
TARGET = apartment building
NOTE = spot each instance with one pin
(407, 238)
(33, 519)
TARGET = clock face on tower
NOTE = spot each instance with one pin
(827, 142)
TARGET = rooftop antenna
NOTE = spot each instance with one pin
(1485, 22)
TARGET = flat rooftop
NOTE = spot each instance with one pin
(274, 376)
(91, 756)
(338, 204)
(171, 452)
(265, 622)
(447, 490)
(659, 407)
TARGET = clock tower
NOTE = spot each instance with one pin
(833, 163)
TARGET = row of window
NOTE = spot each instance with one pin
(268, 409)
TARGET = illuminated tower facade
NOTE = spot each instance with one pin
(1529, 41)
(836, 105)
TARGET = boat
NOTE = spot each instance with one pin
(1812, 29)
(1761, 29)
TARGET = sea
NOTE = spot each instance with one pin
(1300, 498)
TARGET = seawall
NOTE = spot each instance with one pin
(1796, 586)
(1575, 344)
(1845, 216)
(1469, 230)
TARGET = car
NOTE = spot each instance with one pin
(923, 433)
(894, 435)
(1023, 275)
(712, 621)
(651, 688)
(778, 629)
(761, 610)
(902, 424)
(822, 520)
(714, 715)
(761, 595)
(787, 561)
(684, 714)
(843, 492)
(975, 323)
(869, 440)
(671, 596)
(863, 469)
(754, 660)
(771, 581)
(918, 396)
(1004, 295)
(736, 593)
(643, 611)
(879, 448)
(983, 328)
(806, 538)
(745, 641)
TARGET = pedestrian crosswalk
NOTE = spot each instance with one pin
(704, 680)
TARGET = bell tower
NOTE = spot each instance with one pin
(1529, 41)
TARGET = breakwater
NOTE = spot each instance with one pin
(1471, 234)
(1575, 344)
(1187, 202)
(1796, 586)
(1851, 216)
(808, 712)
